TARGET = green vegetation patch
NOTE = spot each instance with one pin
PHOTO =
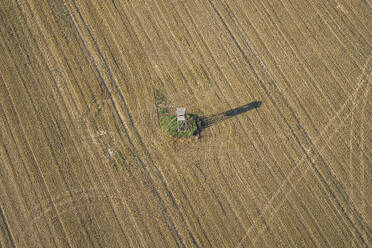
(168, 124)
(163, 110)
(159, 97)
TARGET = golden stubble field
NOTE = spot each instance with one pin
(83, 162)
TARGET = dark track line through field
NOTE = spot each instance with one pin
(4, 187)
(49, 110)
(282, 184)
(113, 113)
(314, 167)
(118, 90)
(23, 134)
(296, 51)
(58, 165)
(132, 124)
(350, 25)
(112, 208)
(181, 188)
(183, 220)
(361, 65)
(177, 208)
(64, 103)
(318, 48)
(296, 168)
(297, 54)
(6, 226)
(221, 73)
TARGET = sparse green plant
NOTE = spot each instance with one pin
(163, 110)
(159, 97)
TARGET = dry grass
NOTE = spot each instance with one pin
(84, 163)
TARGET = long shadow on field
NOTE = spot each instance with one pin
(207, 121)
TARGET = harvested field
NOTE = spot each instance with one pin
(84, 163)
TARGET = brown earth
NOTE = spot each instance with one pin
(83, 162)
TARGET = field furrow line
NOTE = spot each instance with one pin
(7, 150)
(351, 180)
(354, 18)
(79, 196)
(252, 124)
(256, 148)
(276, 209)
(225, 78)
(353, 23)
(69, 72)
(229, 143)
(187, 60)
(40, 64)
(47, 139)
(24, 208)
(86, 162)
(364, 167)
(104, 183)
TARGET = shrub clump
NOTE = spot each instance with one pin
(168, 124)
